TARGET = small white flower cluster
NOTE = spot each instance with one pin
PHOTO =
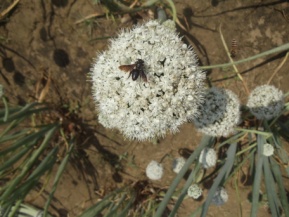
(219, 114)
(220, 197)
(174, 89)
(194, 191)
(154, 170)
(178, 164)
(208, 158)
(266, 102)
(268, 150)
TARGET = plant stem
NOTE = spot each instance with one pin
(274, 50)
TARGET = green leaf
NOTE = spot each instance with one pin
(283, 194)
(26, 168)
(14, 158)
(124, 212)
(183, 193)
(31, 138)
(258, 174)
(14, 136)
(57, 177)
(218, 180)
(206, 141)
(98, 207)
(270, 189)
(46, 164)
(25, 112)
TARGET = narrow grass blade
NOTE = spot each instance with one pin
(46, 164)
(14, 136)
(282, 192)
(24, 114)
(250, 155)
(113, 210)
(281, 48)
(5, 210)
(173, 8)
(28, 165)
(125, 211)
(98, 207)
(18, 113)
(11, 126)
(283, 156)
(185, 189)
(271, 189)
(32, 138)
(14, 158)
(6, 109)
(15, 208)
(57, 177)
(149, 3)
(233, 139)
(230, 158)
(258, 176)
(3, 112)
(218, 180)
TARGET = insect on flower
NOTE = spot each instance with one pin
(234, 48)
(135, 70)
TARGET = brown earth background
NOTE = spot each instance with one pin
(50, 38)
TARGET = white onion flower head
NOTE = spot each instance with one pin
(266, 102)
(219, 113)
(178, 164)
(268, 150)
(220, 197)
(173, 91)
(194, 191)
(154, 170)
(208, 158)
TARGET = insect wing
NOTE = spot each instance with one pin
(127, 68)
(143, 76)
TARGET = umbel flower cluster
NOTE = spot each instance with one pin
(194, 191)
(268, 150)
(161, 93)
(266, 102)
(219, 113)
(154, 170)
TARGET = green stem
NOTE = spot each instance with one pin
(6, 109)
(274, 50)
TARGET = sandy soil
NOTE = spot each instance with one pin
(42, 38)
